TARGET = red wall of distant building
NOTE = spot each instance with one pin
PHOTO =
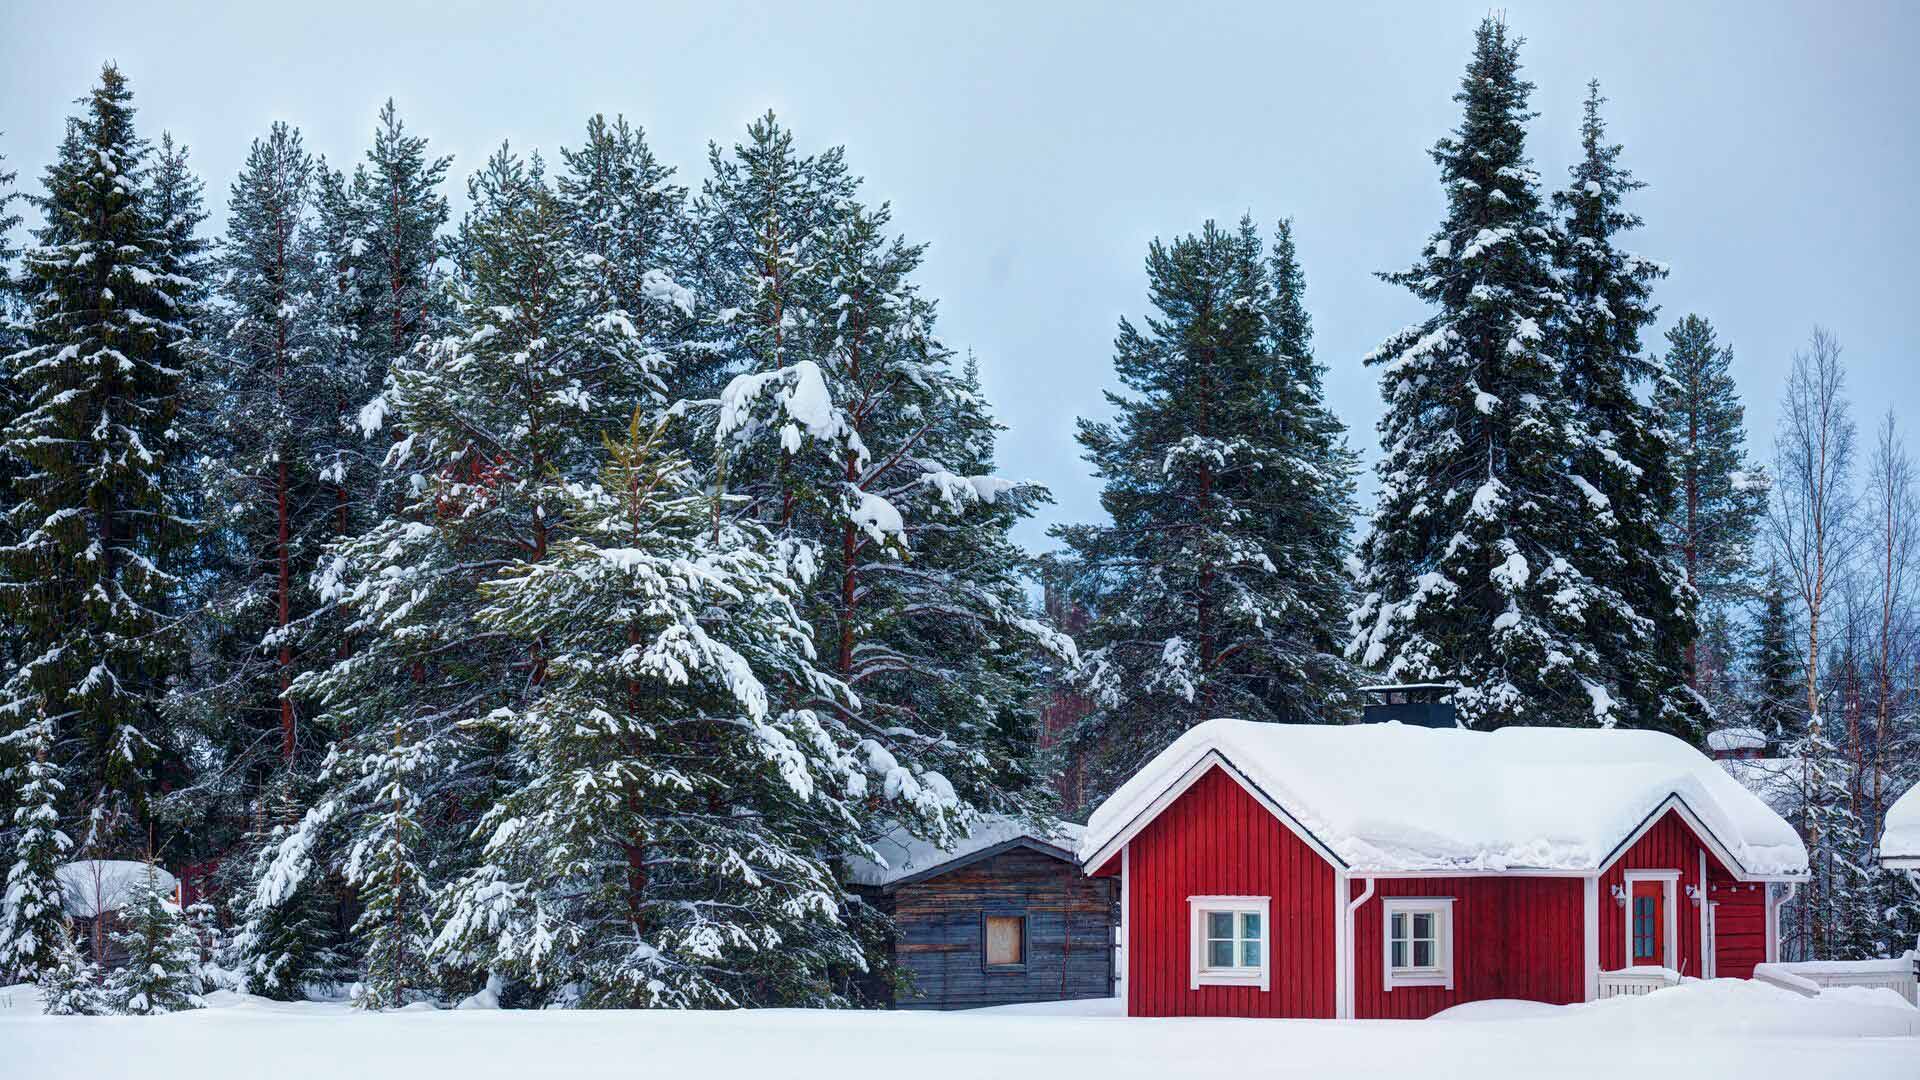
(1217, 840)
(1513, 937)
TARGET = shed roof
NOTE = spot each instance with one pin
(1392, 797)
(904, 856)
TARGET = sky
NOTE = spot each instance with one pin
(1038, 148)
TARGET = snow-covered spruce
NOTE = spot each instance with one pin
(666, 845)
(1619, 455)
(33, 920)
(1470, 572)
(1230, 487)
(162, 969)
(94, 514)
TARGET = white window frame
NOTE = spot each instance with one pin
(1440, 973)
(1199, 975)
(1669, 917)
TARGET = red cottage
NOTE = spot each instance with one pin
(1385, 870)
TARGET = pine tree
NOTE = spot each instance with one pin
(86, 579)
(397, 212)
(1226, 479)
(162, 971)
(72, 986)
(496, 421)
(664, 849)
(1721, 495)
(1468, 572)
(1644, 628)
(33, 921)
(840, 422)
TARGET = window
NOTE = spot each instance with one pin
(1231, 945)
(1418, 942)
(1005, 944)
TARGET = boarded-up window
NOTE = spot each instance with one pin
(1006, 940)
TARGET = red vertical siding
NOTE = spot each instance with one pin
(1669, 845)
(1513, 937)
(1739, 923)
(1217, 840)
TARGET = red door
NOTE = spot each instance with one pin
(1648, 924)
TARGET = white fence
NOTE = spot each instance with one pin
(1633, 982)
(1811, 976)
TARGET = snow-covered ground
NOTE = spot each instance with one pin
(1724, 1030)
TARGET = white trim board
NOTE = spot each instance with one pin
(1197, 973)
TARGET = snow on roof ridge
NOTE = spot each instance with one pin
(1393, 797)
(904, 855)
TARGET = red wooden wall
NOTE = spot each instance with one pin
(1669, 845)
(1513, 937)
(1739, 923)
(1217, 840)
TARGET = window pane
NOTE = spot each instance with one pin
(1219, 924)
(1250, 954)
(1423, 924)
(1422, 954)
(1006, 942)
(1399, 952)
(1250, 925)
(1220, 954)
(1399, 926)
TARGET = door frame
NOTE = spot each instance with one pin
(1668, 881)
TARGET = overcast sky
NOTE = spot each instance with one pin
(1039, 146)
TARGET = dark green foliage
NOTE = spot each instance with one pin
(162, 969)
(1720, 494)
(1470, 571)
(1229, 485)
(96, 526)
(1644, 626)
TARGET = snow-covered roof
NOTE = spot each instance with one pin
(91, 887)
(904, 855)
(1737, 738)
(1900, 840)
(1393, 797)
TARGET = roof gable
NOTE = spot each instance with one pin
(1389, 798)
(902, 858)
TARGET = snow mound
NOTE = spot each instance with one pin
(903, 855)
(1387, 798)
(92, 887)
(1901, 840)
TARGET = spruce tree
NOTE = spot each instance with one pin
(665, 847)
(71, 987)
(1469, 571)
(1227, 483)
(1644, 627)
(1779, 681)
(397, 212)
(33, 920)
(87, 577)
(162, 970)
(1721, 494)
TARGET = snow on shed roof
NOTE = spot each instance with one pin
(1900, 840)
(1737, 738)
(1394, 797)
(904, 855)
(92, 887)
